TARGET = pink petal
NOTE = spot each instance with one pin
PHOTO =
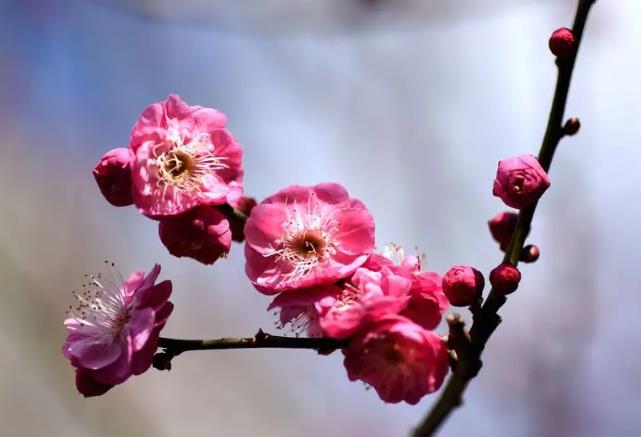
(140, 326)
(208, 119)
(163, 314)
(153, 297)
(265, 229)
(88, 386)
(94, 353)
(331, 193)
(133, 282)
(356, 232)
(342, 322)
(151, 277)
(118, 371)
(177, 109)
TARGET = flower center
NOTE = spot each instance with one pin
(176, 164)
(393, 355)
(187, 162)
(308, 244)
(303, 250)
(307, 238)
(350, 295)
(388, 349)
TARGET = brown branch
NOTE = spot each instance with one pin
(172, 347)
(486, 320)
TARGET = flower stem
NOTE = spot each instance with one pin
(175, 347)
(486, 320)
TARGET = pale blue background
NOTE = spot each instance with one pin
(409, 104)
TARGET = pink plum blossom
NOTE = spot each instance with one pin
(400, 359)
(113, 330)
(202, 233)
(366, 297)
(306, 236)
(183, 157)
(520, 181)
(427, 302)
(113, 176)
(299, 311)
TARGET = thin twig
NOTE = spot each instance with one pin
(175, 347)
(486, 320)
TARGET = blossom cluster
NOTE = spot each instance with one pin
(310, 247)
(314, 248)
(183, 168)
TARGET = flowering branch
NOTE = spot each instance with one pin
(486, 320)
(310, 247)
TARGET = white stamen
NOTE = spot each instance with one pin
(186, 163)
(308, 238)
(101, 309)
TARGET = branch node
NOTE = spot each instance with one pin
(468, 363)
(162, 361)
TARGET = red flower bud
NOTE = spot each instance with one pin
(501, 227)
(520, 181)
(463, 285)
(572, 126)
(113, 176)
(530, 253)
(562, 43)
(505, 278)
(201, 233)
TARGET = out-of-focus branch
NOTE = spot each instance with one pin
(486, 320)
(234, 212)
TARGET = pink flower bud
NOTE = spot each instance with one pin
(463, 285)
(237, 224)
(530, 253)
(502, 226)
(505, 278)
(113, 176)
(520, 181)
(202, 233)
(562, 43)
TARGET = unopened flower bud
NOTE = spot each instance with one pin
(530, 253)
(562, 43)
(520, 181)
(505, 279)
(202, 234)
(113, 176)
(244, 206)
(502, 226)
(572, 126)
(463, 285)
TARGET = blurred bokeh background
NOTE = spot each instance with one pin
(409, 104)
